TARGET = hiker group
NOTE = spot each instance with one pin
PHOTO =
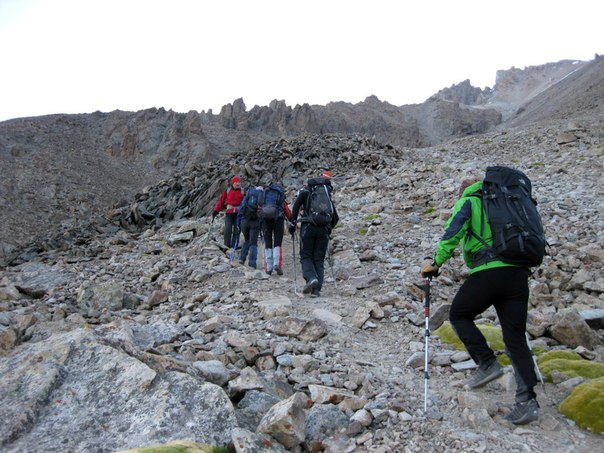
(496, 221)
(261, 212)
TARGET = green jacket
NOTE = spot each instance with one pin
(466, 217)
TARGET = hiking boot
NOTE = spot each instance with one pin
(278, 270)
(312, 284)
(315, 293)
(484, 376)
(242, 262)
(523, 413)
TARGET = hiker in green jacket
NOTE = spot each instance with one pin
(493, 283)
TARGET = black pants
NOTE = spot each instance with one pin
(273, 233)
(314, 241)
(505, 288)
(231, 230)
(251, 231)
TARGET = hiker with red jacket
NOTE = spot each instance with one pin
(230, 200)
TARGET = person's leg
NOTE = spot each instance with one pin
(277, 251)
(307, 246)
(319, 252)
(473, 298)
(235, 232)
(245, 229)
(512, 313)
(253, 231)
(228, 230)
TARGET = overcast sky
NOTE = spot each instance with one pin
(80, 56)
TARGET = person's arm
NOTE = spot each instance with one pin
(221, 201)
(455, 229)
(300, 201)
(287, 211)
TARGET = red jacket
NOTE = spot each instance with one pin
(231, 198)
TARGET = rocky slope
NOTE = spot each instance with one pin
(62, 167)
(134, 329)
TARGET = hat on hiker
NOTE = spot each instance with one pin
(327, 174)
(235, 179)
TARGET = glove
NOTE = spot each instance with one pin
(214, 214)
(291, 228)
(429, 269)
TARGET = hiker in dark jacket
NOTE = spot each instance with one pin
(493, 283)
(314, 239)
(230, 199)
(249, 224)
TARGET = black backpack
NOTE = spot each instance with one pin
(518, 235)
(249, 206)
(270, 204)
(319, 209)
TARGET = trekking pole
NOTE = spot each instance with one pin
(238, 233)
(427, 280)
(537, 370)
(333, 274)
(294, 263)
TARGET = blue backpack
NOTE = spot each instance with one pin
(270, 204)
(249, 206)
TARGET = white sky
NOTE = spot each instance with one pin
(80, 56)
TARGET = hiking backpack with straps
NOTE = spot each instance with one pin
(250, 203)
(320, 208)
(270, 204)
(516, 226)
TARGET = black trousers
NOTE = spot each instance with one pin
(231, 230)
(314, 241)
(506, 289)
(273, 233)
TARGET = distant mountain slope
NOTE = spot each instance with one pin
(579, 93)
(58, 168)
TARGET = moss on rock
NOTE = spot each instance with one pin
(572, 368)
(585, 405)
(565, 354)
(491, 333)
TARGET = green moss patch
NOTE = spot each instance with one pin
(370, 217)
(565, 354)
(491, 333)
(572, 368)
(585, 405)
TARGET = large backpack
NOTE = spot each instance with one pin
(250, 203)
(516, 226)
(320, 208)
(270, 204)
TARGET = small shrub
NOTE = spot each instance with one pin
(429, 210)
(363, 230)
(572, 368)
(488, 141)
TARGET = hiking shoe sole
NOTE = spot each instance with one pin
(483, 377)
(310, 286)
(278, 270)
